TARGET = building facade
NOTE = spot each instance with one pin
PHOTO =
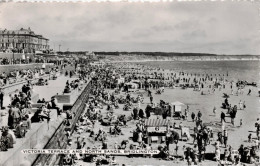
(23, 40)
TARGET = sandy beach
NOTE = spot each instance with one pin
(237, 134)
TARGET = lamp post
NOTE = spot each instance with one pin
(13, 55)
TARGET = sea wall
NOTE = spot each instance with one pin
(45, 135)
(10, 68)
(59, 139)
(16, 55)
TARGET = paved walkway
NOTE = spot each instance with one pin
(54, 87)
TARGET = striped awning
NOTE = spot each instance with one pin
(156, 122)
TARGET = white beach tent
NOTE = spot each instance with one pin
(132, 85)
(176, 106)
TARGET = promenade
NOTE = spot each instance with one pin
(40, 133)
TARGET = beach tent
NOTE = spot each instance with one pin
(185, 133)
(132, 85)
(137, 82)
(177, 106)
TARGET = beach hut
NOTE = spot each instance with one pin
(177, 107)
(156, 130)
(120, 80)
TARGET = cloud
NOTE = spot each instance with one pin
(214, 27)
(194, 35)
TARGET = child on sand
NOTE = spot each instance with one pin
(214, 110)
(176, 150)
(241, 122)
(241, 106)
(244, 104)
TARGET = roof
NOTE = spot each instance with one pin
(156, 122)
(177, 103)
(21, 32)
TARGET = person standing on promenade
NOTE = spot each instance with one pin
(54, 105)
(1, 99)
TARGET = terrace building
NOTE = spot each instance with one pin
(23, 40)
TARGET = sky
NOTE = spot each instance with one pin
(198, 27)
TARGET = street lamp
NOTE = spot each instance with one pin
(13, 54)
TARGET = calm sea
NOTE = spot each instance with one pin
(237, 70)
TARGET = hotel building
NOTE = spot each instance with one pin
(23, 40)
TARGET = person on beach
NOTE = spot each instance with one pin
(149, 93)
(193, 116)
(188, 108)
(225, 137)
(250, 137)
(214, 110)
(257, 125)
(244, 105)
(249, 92)
(151, 99)
(135, 113)
(199, 115)
(148, 111)
(141, 113)
(1, 99)
(223, 125)
(222, 116)
(186, 114)
(241, 106)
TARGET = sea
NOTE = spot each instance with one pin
(232, 70)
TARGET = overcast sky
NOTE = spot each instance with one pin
(205, 27)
